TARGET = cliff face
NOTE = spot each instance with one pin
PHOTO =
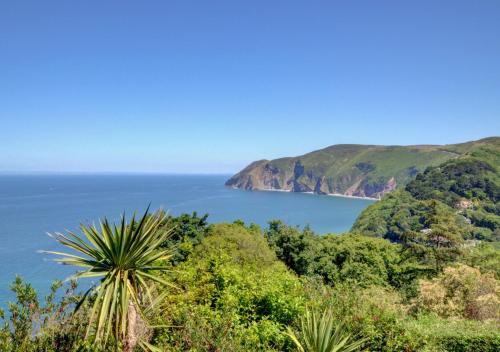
(346, 169)
(295, 178)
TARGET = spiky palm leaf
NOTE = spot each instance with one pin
(127, 258)
(320, 334)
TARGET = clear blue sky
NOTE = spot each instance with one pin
(208, 86)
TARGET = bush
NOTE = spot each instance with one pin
(461, 291)
(47, 326)
(375, 314)
(378, 314)
(233, 295)
(485, 257)
(456, 335)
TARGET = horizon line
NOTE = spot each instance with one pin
(108, 173)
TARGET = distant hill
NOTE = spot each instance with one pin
(351, 169)
(461, 195)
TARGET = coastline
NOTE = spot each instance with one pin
(355, 197)
(312, 193)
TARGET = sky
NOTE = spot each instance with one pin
(209, 86)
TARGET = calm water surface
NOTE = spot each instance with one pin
(32, 205)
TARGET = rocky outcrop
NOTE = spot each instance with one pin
(347, 169)
(295, 178)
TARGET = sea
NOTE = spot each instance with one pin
(33, 205)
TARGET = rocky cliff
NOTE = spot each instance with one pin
(346, 169)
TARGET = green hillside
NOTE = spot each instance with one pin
(350, 169)
(466, 190)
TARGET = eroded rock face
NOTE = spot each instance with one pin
(346, 169)
(300, 187)
(261, 176)
(322, 186)
(295, 178)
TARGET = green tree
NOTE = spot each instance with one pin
(338, 258)
(234, 295)
(293, 246)
(439, 242)
(185, 232)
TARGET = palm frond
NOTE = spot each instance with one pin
(127, 257)
(319, 333)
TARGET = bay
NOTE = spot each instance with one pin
(32, 205)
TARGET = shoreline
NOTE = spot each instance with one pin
(312, 193)
(346, 196)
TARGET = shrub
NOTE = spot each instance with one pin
(453, 335)
(375, 314)
(319, 332)
(235, 295)
(485, 257)
(461, 291)
(48, 326)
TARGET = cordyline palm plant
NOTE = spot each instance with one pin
(129, 260)
(320, 334)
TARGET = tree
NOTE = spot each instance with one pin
(128, 258)
(292, 245)
(439, 242)
(186, 231)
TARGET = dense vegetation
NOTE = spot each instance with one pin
(420, 271)
(458, 199)
(240, 288)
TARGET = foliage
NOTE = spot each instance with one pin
(454, 335)
(456, 179)
(469, 184)
(485, 257)
(233, 295)
(461, 291)
(486, 221)
(398, 213)
(358, 260)
(184, 232)
(441, 241)
(379, 315)
(48, 326)
(293, 246)
(128, 258)
(347, 258)
(319, 333)
(232, 291)
(374, 313)
(466, 190)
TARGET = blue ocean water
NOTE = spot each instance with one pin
(32, 205)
